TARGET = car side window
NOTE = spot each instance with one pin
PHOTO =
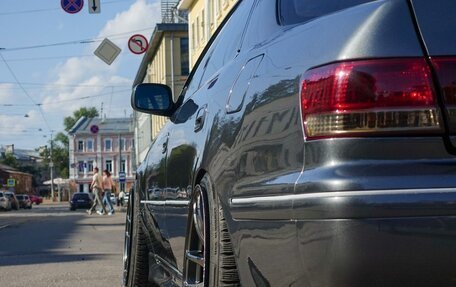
(224, 48)
(299, 11)
(228, 42)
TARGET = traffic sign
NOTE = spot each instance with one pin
(107, 51)
(10, 182)
(138, 44)
(94, 6)
(122, 176)
(94, 129)
(72, 6)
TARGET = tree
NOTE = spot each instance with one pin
(10, 160)
(70, 121)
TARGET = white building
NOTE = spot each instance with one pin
(103, 143)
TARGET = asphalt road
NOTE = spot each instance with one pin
(51, 246)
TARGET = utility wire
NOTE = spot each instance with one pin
(64, 86)
(65, 101)
(52, 58)
(24, 90)
(51, 9)
(75, 42)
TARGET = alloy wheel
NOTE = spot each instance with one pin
(196, 243)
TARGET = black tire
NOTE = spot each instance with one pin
(136, 252)
(219, 261)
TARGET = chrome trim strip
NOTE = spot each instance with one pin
(154, 202)
(166, 202)
(264, 200)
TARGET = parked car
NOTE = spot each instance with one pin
(14, 201)
(80, 200)
(24, 201)
(317, 139)
(5, 203)
(36, 199)
(113, 199)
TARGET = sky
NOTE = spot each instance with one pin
(39, 86)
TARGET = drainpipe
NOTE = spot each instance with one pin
(172, 64)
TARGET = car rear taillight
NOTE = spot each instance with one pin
(371, 97)
(446, 72)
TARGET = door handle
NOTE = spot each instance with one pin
(200, 118)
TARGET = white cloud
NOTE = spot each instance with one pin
(95, 73)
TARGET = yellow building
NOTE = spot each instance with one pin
(165, 62)
(201, 23)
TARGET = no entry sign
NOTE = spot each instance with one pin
(138, 44)
(72, 6)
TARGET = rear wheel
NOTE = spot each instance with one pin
(209, 257)
(136, 252)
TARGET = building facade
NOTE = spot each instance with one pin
(204, 17)
(165, 62)
(103, 143)
(22, 182)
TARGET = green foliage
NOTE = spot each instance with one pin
(70, 121)
(10, 160)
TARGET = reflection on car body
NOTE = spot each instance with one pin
(312, 145)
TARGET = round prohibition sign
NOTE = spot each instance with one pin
(138, 44)
(72, 6)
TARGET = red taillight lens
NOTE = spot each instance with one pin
(446, 71)
(369, 97)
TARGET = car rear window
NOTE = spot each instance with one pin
(19, 196)
(80, 196)
(299, 11)
(1, 194)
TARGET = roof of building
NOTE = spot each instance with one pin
(10, 169)
(184, 4)
(22, 154)
(105, 126)
(154, 44)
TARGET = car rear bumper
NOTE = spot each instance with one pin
(396, 237)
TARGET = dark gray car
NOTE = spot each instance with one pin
(312, 145)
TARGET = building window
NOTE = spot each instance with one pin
(108, 145)
(81, 187)
(90, 166)
(203, 28)
(184, 56)
(89, 145)
(122, 144)
(81, 166)
(80, 145)
(193, 36)
(197, 36)
(122, 166)
(109, 165)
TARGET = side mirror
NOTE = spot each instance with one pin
(156, 99)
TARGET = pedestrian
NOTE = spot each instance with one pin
(108, 185)
(122, 198)
(97, 188)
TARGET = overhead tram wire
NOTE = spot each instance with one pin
(65, 101)
(52, 9)
(75, 42)
(25, 91)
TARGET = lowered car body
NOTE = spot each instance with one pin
(326, 132)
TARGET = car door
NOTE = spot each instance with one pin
(215, 74)
(152, 182)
